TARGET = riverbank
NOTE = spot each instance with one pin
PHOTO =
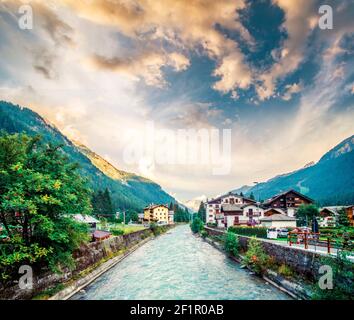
(297, 262)
(293, 290)
(293, 270)
(178, 266)
(91, 261)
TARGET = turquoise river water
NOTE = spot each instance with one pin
(178, 265)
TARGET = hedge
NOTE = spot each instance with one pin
(259, 232)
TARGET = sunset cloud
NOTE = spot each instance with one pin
(96, 68)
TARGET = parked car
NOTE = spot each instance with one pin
(282, 232)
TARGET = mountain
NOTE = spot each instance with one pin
(330, 181)
(243, 189)
(128, 190)
(194, 204)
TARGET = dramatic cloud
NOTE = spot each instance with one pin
(97, 68)
(299, 21)
(147, 65)
(181, 24)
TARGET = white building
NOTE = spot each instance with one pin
(171, 215)
(232, 209)
(278, 221)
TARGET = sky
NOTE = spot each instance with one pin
(105, 71)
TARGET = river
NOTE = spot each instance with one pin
(178, 265)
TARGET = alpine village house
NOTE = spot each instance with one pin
(235, 210)
(158, 213)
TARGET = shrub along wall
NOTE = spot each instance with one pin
(87, 256)
(304, 262)
(259, 232)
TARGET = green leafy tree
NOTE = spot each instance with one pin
(255, 257)
(343, 220)
(231, 243)
(306, 213)
(180, 214)
(102, 205)
(39, 188)
(197, 225)
(202, 212)
(252, 196)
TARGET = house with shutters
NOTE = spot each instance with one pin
(232, 209)
(287, 202)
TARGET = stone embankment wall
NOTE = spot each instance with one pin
(86, 256)
(306, 263)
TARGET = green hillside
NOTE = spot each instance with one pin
(129, 191)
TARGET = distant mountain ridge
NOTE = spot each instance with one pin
(129, 191)
(330, 181)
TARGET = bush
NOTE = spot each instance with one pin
(256, 259)
(285, 271)
(203, 233)
(117, 231)
(259, 232)
(231, 244)
(156, 230)
(197, 225)
(212, 225)
(343, 279)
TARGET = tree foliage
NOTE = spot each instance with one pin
(343, 220)
(180, 214)
(102, 204)
(306, 213)
(197, 225)
(231, 243)
(39, 188)
(255, 257)
(202, 212)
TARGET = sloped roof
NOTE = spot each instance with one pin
(218, 199)
(280, 211)
(284, 193)
(84, 218)
(153, 206)
(99, 234)
(278, 217)
(333, 209)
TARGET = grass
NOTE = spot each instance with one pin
(126, 228)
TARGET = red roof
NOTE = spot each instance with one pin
(100, 235)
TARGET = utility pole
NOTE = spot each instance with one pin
(257, 183)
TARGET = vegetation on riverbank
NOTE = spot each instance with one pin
(259, 232)
(38, 187)
(256, 259)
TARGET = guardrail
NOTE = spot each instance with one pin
(311, 238)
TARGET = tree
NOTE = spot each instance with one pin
(252, 196)
(39, 189)
(197, 225)
(102, 204)
(202, 212)
(343, 220)
(306, 213)
(231, 243)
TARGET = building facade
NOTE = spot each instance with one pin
(288, 202)
(232, 209)
(156, 213)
